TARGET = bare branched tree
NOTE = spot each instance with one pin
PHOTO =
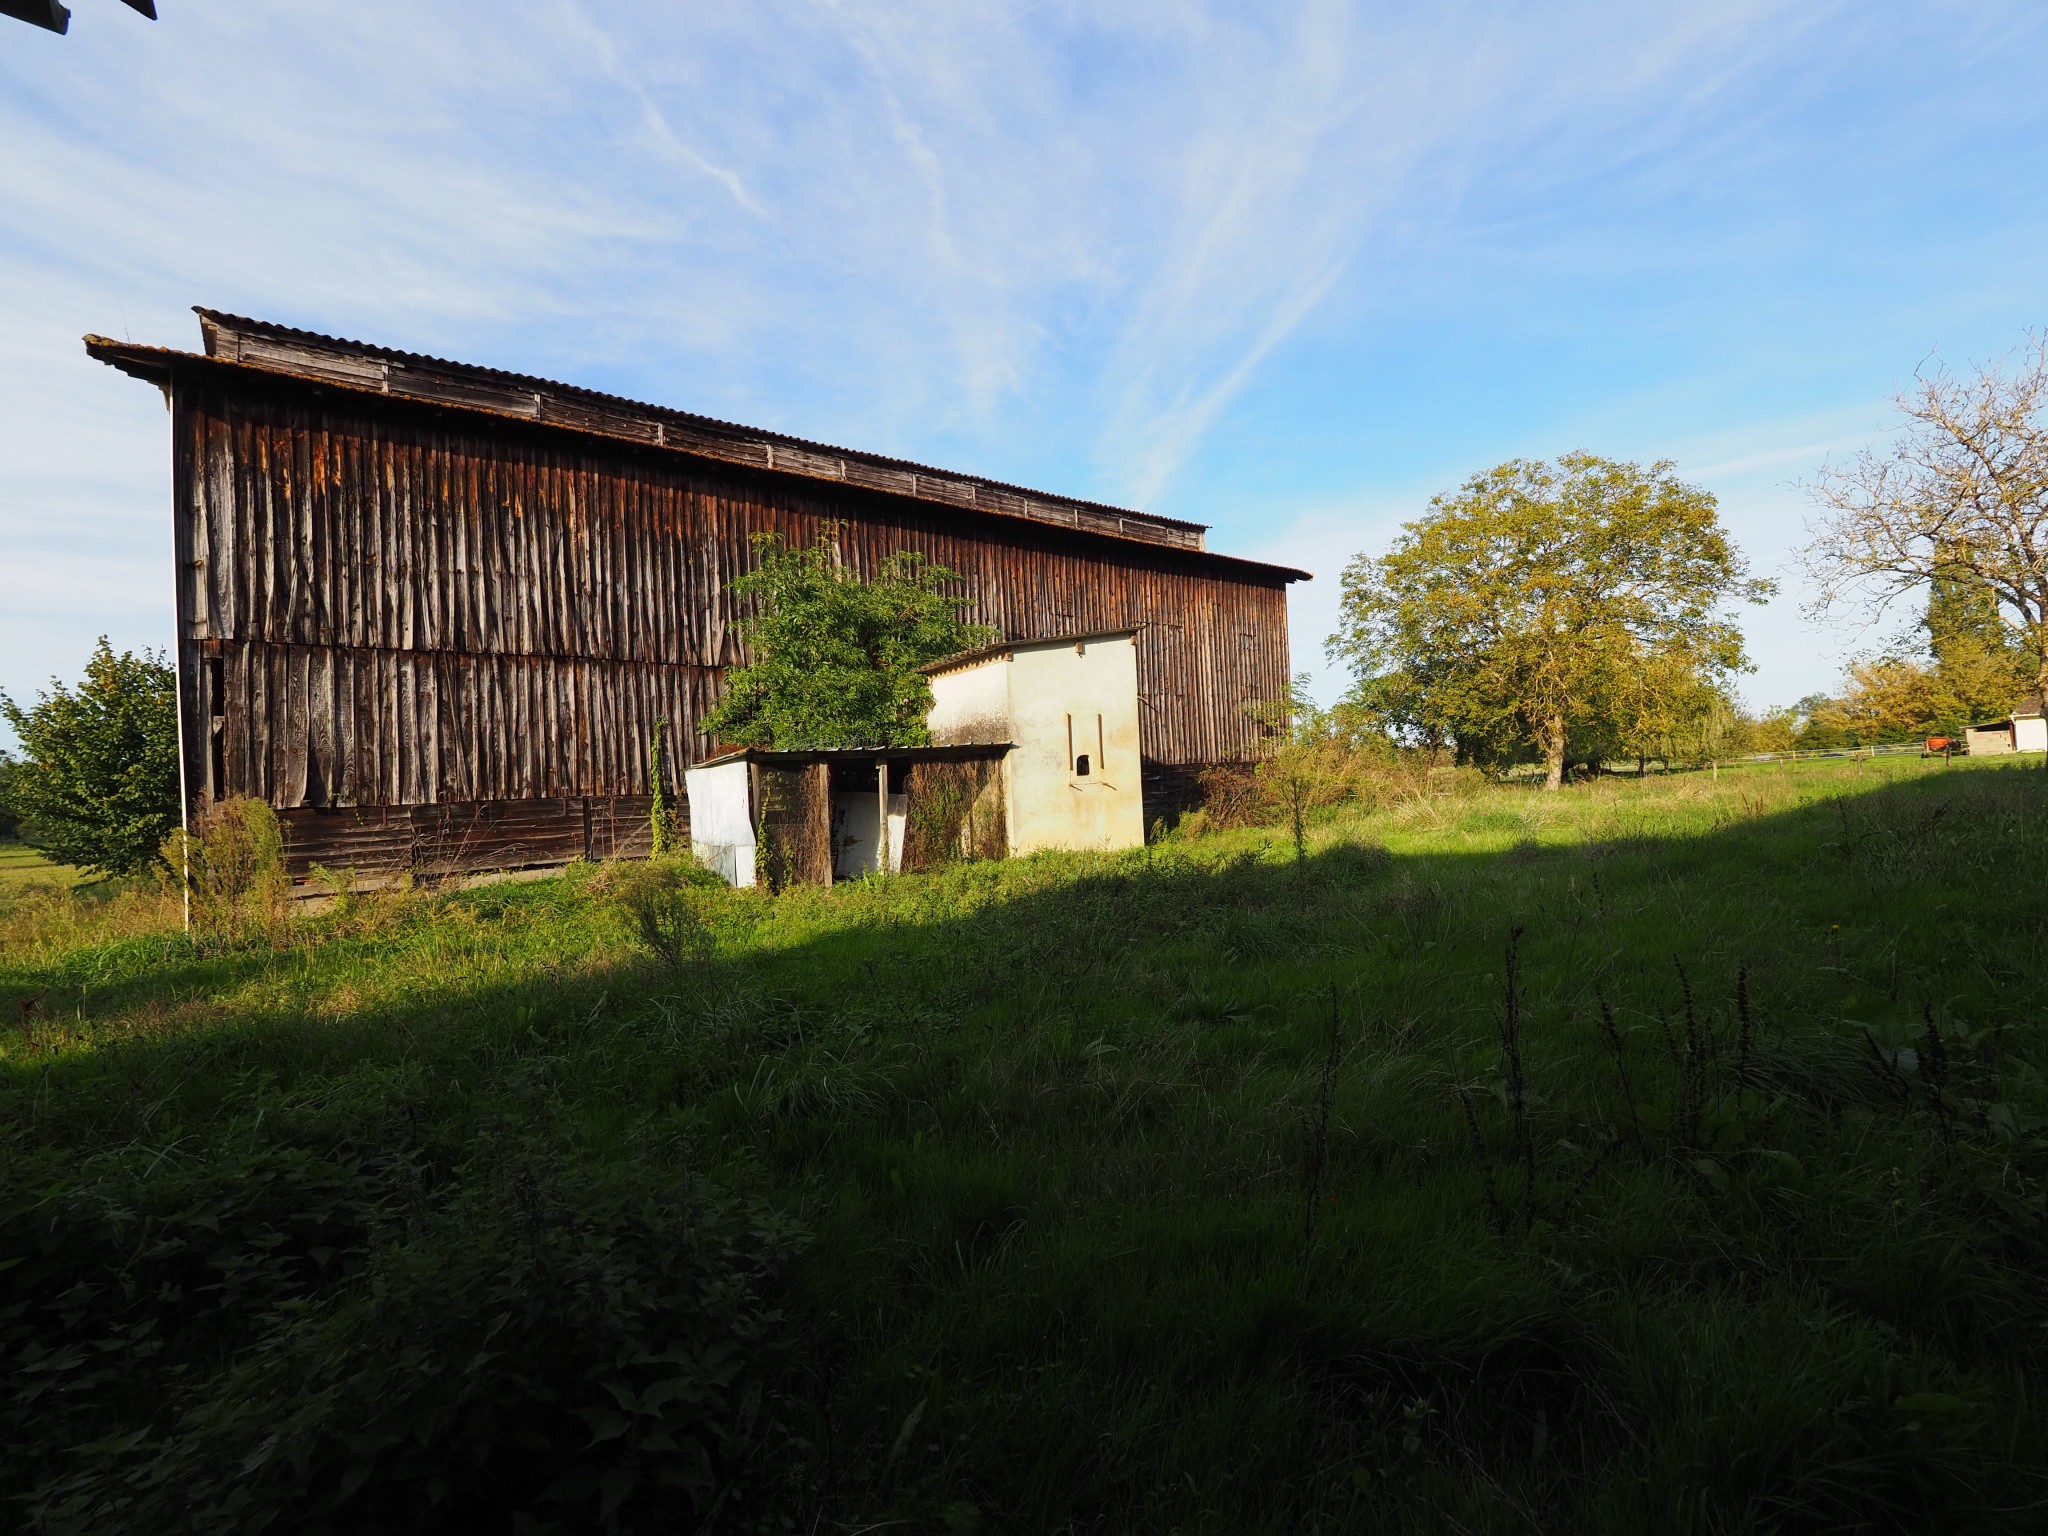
(1964, 489)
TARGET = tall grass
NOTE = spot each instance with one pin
(1716, 1200)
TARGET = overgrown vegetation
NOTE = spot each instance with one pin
(1652, 1156)
(231, 866)
(835, 652)
(661, 815)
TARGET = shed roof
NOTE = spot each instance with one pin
(240, 342)
(798, 757)
(961, 659)
(2029, 708)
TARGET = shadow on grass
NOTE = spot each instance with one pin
(1050, 1121)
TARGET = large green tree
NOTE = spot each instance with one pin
(97, 785)
(1542, 601)
(835, 655)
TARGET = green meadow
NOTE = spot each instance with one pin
(1656, 1155)
(21, 865)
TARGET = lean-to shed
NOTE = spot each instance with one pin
(432, 612)
(2024, 730)
(763, 817)
(1035, 746)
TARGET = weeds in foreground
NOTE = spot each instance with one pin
(1319, 1127)
(531, 1342)
(231, 865)
(1108, 1234)
(669, 906)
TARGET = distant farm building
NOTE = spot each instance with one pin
(431, 612)
(2024, 730)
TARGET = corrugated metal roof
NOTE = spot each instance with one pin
(777, 757)
(229, 335)
(410, 376)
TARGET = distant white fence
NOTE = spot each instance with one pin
(1615, 767)
(1884, 749)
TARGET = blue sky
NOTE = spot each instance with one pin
(1284, 268)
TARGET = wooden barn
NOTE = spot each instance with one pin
(431, 612)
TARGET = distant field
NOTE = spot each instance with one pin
(1192, 1189)
(22, 865)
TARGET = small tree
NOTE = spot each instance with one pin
(1308, 766)
(1776, 730)
(98, 784)
(1962, 495)
(1541, 601)
(661, 817)
(835, 655)
(1890, 699)
(1686, 722)
(233, 867)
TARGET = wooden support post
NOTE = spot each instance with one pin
(882, 817)
(821, 820)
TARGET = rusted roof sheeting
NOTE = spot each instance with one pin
(156, 365)
(308, 354)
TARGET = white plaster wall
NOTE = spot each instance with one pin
(2030, 734)
(971, 704)
(1055, 685)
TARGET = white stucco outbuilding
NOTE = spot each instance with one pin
(1034, 747)
(2025, 730)
(1069, 708)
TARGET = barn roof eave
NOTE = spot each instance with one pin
(215, 322)
(156, 365)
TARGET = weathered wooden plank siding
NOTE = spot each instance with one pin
(440, 840)
(391, 606)
(311, 725)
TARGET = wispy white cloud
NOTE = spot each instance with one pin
(659, 129)
(1061, 240)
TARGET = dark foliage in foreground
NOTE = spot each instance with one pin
(1196, 1190)
(519, 1341)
